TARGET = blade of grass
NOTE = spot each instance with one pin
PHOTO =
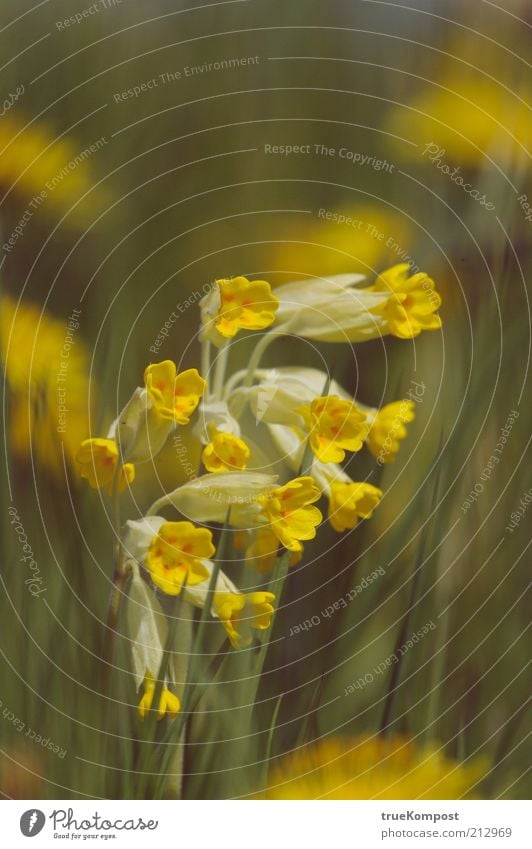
(271, 734)
(149, 738)
(177, 728)
(395, 675)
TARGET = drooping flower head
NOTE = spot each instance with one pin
(241, 612)
(412, 304)
(173, 396)
(349, 502)
(387, 429)
(224, 453)
(169, 704)
(290, 511)
(210, 497)
(329, 309)
(335, 425)
(175, 555)
(98, 459)
(235, 304)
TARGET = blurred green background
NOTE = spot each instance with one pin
(182, 189)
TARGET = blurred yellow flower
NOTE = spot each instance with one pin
(468, 116)
(290, 512)
(241, 612)
(98, 459)
(361, 237)
(176, 555)
(335, 425)
(225, 453)
(173, 396)
(46, 367)
(372, 768)
(387, 429)
(412, 303)
(169, 704)
(349, 502)
(43, 168)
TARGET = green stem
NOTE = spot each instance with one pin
(280, 571)
(155, 507)
(254, 362)
(121, 573)
(149, 738)
(395, 676)
(167, 654)
(307, 461)
(271, 734)
(256, 357)
(438, 659)
(303, 736)
(176, 730)
(220, 368)
(233, 381)
(414, 591)
(205, 358)
(206, 610)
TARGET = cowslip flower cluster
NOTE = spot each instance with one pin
(273, 444)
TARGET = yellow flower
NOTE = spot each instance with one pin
(349, 502)
(358, 237)
(175, 554)
(46, 367)
(225, 453)
(98, 459)
(387, 428)
(262, 553)
(372, 768)
(335, 425)
(290, 514)
(412, 303)
(240, 612)
(467, 114)
(237, 304)
(35, 161)
(169, 703)
(173, 396)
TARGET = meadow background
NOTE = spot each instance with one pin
(181, 189)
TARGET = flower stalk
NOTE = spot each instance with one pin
(121, 573)
(262, 480)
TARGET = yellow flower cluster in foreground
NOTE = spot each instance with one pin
(372, 768)
(273, 443)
